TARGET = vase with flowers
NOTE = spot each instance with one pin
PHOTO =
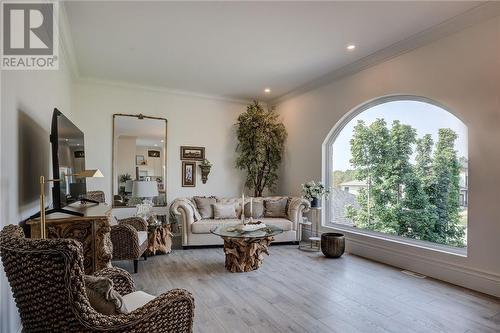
(314, 191)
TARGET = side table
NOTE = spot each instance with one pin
(313, 242)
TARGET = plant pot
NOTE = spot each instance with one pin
(332, 244)
(315, 202)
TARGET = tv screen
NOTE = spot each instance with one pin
(68, 158)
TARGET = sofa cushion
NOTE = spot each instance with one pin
(257, 209)
(204, 205)
(282, 223)
(204, 226)
(136, 299)
(275, 208)
(224, 211)
(143, 236)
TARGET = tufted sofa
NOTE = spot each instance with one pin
(197, 233)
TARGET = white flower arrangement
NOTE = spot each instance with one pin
(144, 209)
(312, 189)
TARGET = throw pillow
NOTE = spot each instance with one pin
(102, 297)
(224, 211)
(257, 210)
(275, 208)
(204, 206)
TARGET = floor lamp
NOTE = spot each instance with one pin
(95, 173)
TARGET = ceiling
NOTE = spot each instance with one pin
(236, 49)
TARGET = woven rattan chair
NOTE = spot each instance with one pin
(130, 239)
(46, 277)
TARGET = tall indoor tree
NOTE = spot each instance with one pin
(261, 142)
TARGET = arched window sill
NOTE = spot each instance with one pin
(360, 234)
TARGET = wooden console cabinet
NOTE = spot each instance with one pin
(92, 230)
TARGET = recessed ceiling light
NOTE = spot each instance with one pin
(156, 145)
(162, 141)
(267, 90)
(351, 47)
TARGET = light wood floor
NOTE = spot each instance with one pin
(296, 291)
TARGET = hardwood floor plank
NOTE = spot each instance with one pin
(297, 291)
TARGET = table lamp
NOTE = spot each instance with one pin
(144, 189)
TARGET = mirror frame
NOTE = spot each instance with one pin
(138, 116)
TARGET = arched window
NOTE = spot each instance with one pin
(398, 165)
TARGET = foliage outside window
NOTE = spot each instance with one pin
(400, 180)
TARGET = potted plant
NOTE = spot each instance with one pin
(261, 142)
(123, 180)
(314, 191)
(205, 167)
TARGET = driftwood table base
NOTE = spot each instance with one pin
(245, 254)
(159, 239)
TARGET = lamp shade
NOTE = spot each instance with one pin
(92, 173)
(144, 189)
(128, 186)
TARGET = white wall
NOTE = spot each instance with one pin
(460, 71)
(192, 121)
(27, 101)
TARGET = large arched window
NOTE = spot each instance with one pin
(398, 166)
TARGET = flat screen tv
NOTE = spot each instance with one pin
(68, 158)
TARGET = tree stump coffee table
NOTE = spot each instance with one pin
(245, 250)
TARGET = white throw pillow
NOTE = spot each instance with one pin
(224, 211)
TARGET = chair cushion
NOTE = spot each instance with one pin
(143, 236)
(204, 206)
(136, 299)
(275, 208)
(204, 226)
(102, 297)
(224, 211)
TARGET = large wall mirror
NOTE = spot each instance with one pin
(139, 160)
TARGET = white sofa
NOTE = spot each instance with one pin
(197, 233)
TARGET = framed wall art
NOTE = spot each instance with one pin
(188, 174)
(192, 153)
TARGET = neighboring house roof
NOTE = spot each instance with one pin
(340, 199)
(354, 183)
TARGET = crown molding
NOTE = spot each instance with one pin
(66, 42)
(159, 89)
(480, 13)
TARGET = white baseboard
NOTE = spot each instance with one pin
(474, 279)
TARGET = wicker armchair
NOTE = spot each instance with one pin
(130, 239)
(46, 277)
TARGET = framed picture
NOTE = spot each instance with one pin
(139, 160)
(188, 174)
(80, 154)
(192, 153)
(153, 153)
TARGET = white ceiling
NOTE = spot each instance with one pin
(236, 49)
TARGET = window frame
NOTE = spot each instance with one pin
(327, 161)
